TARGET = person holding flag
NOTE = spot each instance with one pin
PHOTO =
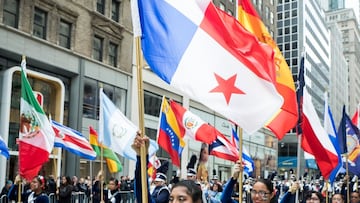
(36, 194)
(186, 191)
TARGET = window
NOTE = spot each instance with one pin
(98, 48)
(222, 6)
(113, 52)
(39, 29)
(65, 34)
(100, 6)
(89, 101)
(11, 13)
(152, 103)
(91, 97)
(115, 10)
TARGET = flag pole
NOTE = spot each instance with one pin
(141, 119)
(240, 135)
(348, 178)
(102, 173)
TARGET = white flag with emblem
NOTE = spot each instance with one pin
(116, 131)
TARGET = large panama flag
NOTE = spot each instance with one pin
(205, 53)
(36, 136)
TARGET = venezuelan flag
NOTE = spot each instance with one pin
(170, 134)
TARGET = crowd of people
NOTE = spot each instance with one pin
(40, 189)
(197, 187)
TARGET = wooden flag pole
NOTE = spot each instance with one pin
(143, 152)
(102, 177)
(240, 135)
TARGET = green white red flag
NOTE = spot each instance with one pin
(36, 136)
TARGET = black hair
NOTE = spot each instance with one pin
(115, 181)
(309, 194)
(270, 186)
(192, 189)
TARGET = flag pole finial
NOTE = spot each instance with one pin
(23, 57)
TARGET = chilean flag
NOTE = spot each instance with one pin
(315, 139)
(205, 53)
(73, 141)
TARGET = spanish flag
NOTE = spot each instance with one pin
(111, 158)
(287, 116)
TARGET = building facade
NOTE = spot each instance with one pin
(349, 27)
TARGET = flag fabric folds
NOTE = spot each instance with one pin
(355, 118)
(249, 164)
(315, 140)
(192, 125)
(112, 160)
(348, 138)
(72, 141)
(116, 131)
(222, 148)
(170, 133)
(182, 40)
(329, 126)
(36, 136)
(153, 165)
(287, 117)
(4, 149)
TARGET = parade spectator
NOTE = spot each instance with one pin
(83, 187)
(185, 191)
(214, 194)
(113, 194)
(355, 197)
(337, 198)
(36, 194)
(290, 195)
(96, 188)
(313, 197)
(65, 190)
(6, 188)
(51, 185)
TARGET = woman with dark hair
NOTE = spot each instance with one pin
(214, 194)
(313, 196)
(186, 191)
(337, 198)
(113, 195)
(262, 191)
(65, 190)
(35, 195)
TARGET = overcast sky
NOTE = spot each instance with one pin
(353, 4)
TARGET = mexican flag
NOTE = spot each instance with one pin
(36, 136)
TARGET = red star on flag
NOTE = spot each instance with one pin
(227, 87)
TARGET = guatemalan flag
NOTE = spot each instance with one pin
(205, 53)
(73, 141)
